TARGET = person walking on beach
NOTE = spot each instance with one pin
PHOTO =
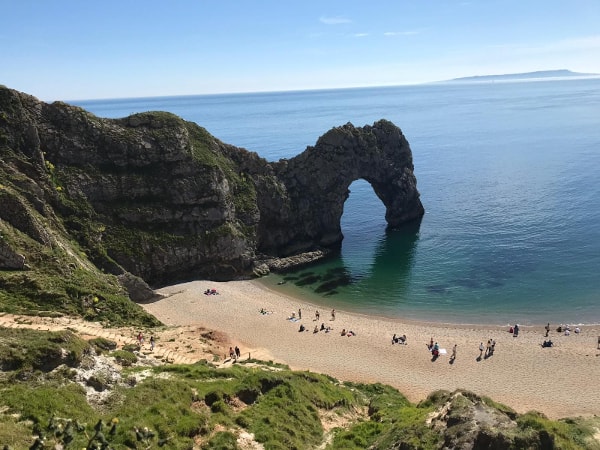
(516, 330)
(547, 329)
(317, 315)
(299, 313)
(237, 352)
(453, 356)
(333, 314)
(480, 350)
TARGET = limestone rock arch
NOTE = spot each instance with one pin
(314, 186)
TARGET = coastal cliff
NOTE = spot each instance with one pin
(155, 198)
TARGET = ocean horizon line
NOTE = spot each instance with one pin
(474, 79)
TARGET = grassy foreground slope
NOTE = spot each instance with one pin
(56, 388)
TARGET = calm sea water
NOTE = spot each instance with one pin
(509, 174)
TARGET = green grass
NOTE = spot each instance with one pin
(23, 349)
(187, 404)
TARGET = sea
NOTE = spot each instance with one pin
(509, 175)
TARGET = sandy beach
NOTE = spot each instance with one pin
(560, 381)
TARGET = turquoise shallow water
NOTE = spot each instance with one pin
(508, 175)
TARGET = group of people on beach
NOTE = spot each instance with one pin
(566, 329)
(489, 349)
(399, 339)
(295, 318)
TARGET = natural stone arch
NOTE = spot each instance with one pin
(316, 182)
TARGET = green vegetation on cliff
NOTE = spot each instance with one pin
(58, 278)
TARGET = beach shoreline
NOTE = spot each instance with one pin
(523, 321)
(520, 373)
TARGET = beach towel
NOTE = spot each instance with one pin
(443, 351)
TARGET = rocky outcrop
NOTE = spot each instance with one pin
(316, 186)
(10, 259)
(160, 197)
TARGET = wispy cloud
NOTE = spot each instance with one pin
(361, 34)
(400, 33)
(334, 20)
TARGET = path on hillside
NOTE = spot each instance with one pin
(175, 345)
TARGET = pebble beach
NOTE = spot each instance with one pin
(560, 381)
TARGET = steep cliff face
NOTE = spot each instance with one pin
(161, 198)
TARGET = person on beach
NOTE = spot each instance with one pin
(453, 356)
(316, 330)
(516, 330)
(333, 314)
(302, 328)
(480, 350)
(488, 348)
(231, 353)
(140, 338)
(322, 326)
(344, 332)
(299, 313)
(547, 327)
(399, 339)
(238, 353)
(430, 345)
(317, 315)
(151, 343)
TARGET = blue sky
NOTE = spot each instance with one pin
(77, 49)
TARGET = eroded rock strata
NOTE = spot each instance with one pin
(159, 197)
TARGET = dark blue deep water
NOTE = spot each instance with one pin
(509, 174)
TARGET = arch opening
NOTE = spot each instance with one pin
(363, 228)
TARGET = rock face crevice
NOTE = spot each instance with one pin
(159, 197)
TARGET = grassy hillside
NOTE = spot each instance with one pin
(245, 405)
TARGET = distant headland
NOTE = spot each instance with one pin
(540, 74)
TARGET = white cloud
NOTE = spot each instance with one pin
(334, 20)
(400, 33)
(361, 34)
